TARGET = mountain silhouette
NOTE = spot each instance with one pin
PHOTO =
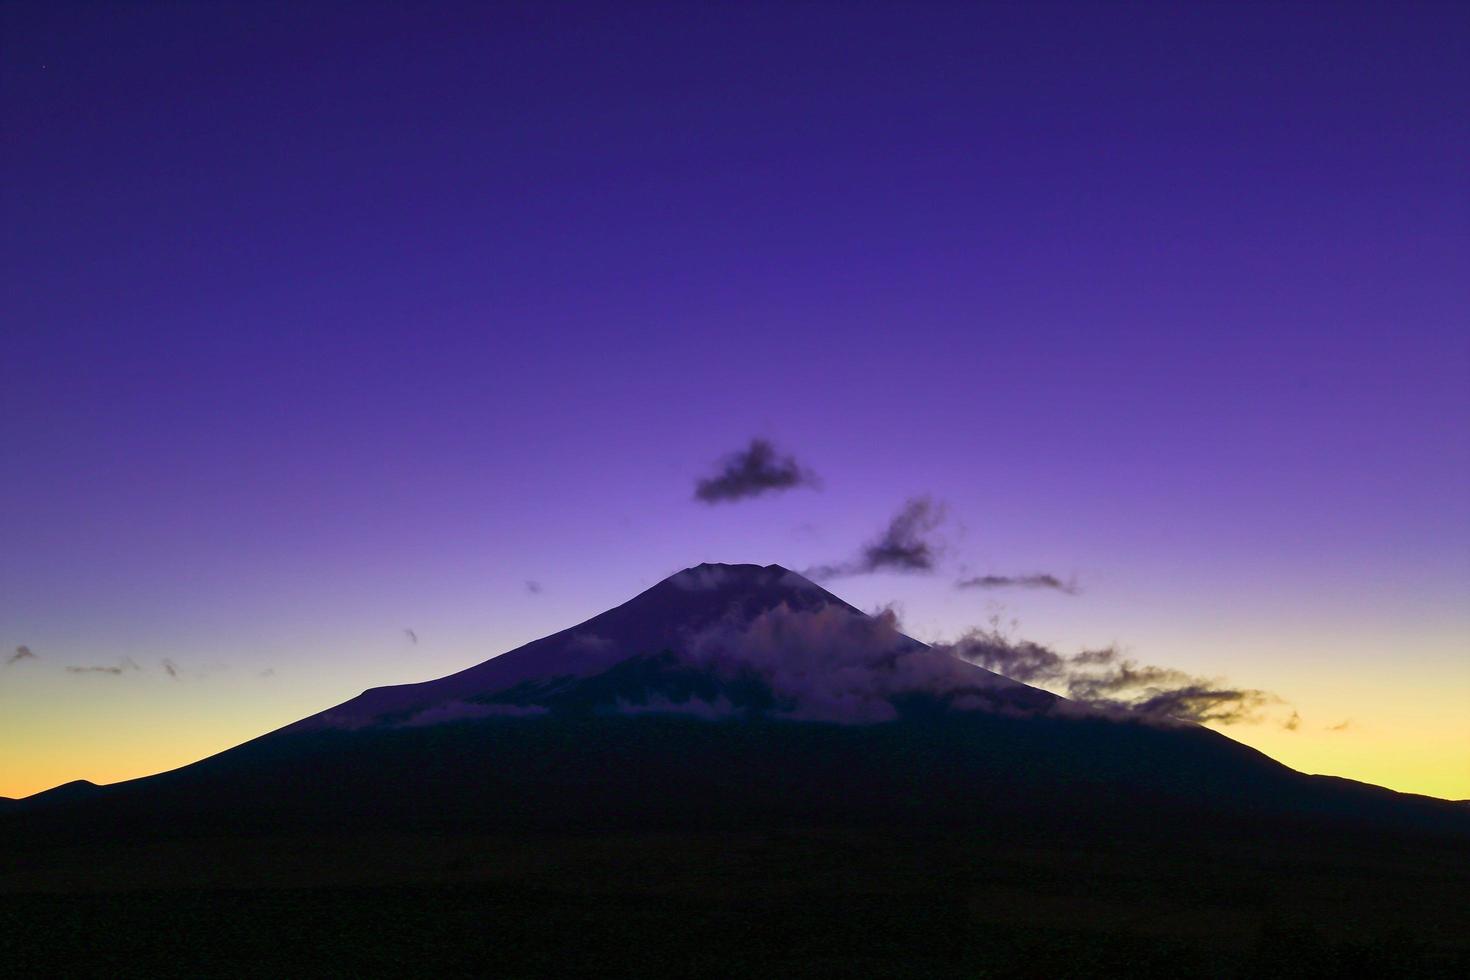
(724, 696)
(635, 655)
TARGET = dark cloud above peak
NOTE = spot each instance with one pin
(909, 544)
(754, 470)
(22, 652)
(1037, 580)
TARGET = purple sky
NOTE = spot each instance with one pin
(322, 321)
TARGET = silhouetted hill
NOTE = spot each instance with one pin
(638, 720)
(588, 773)
(77, 789)
(722, 697)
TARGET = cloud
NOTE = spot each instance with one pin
(533, 587)
(908, 544)
(590, 642)
(467, 711)
(662, 704)
(1104, 680)
(412, 636)
(1293, 723)
(1024, 661)
(1199, 703)
(170, 668)
(1120, 677)
(268, 672)
(1039, 580)
(831, 664)
(1341, 726)
(22, 652)
(126, 665)
(752, 471)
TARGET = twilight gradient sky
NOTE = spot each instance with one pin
(320, 322)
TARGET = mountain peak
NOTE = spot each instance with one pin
(659, 618)
(719, 575)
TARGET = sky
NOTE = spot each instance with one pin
(351, 344)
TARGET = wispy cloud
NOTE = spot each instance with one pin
(22, 652)
(908, 544)
(1103, 678)
(170, 668)
(413, 637)
(533, 587)
(754, 470)
(1341, 726)
(125, 666)
(1038, 580)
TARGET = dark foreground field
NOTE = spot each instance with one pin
(808, 903)
(984, 845)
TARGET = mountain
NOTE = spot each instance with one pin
(638, 655)
(726, 695)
